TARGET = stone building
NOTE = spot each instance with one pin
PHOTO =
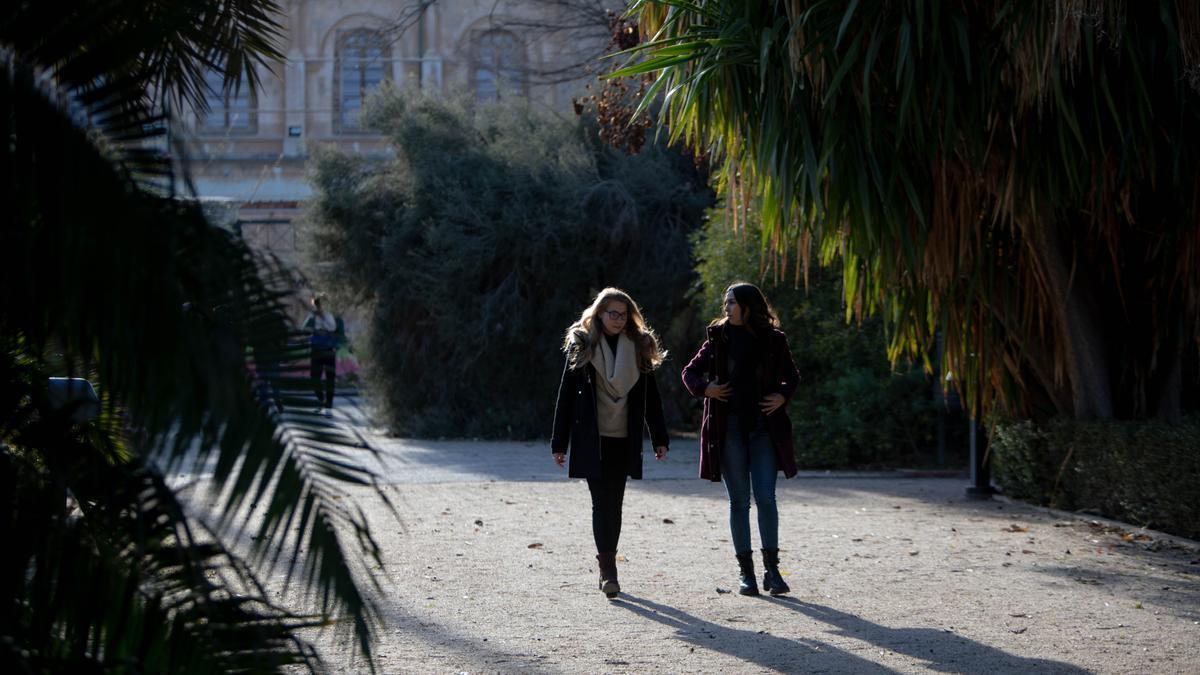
(250, 148)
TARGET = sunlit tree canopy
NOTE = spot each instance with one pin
(1021, 176)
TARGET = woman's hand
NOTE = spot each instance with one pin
(660, 452)
(771, 402)
(717, 391)
(560, 458)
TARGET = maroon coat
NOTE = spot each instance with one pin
(777, 375)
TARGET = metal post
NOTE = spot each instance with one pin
(939, 384)
(981, 472)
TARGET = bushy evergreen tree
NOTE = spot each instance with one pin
(482, 240)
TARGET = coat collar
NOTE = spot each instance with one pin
(717, 332)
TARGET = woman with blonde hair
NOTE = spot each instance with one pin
(606, 396)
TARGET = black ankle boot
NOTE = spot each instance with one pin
(773, 582)
(608, 574)
(747, 585)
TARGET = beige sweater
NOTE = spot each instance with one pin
(615, 376)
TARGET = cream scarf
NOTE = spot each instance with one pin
(615, 376)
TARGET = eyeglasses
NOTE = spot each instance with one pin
(616, 316)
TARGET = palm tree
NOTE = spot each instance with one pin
(1020, 176)
(108, 276)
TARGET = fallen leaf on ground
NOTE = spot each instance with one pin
(1026, 551)
(534, 545)
(668, 521)
(1015, 528)
(1020, 630)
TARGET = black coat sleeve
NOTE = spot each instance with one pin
(564, 409)
(656, 423)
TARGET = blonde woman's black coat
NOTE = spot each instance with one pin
(575, 424)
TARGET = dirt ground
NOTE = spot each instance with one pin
(490, 568)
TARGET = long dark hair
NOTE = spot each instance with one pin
(757, 313)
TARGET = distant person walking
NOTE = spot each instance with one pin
(606, 397)
(745, 374)
(326, 333)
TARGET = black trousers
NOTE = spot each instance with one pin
(324, 362)
(608, 493)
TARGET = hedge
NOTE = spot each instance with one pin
(1146, 473)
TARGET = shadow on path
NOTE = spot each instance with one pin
(762, 649)
(1165, 581)
(942, 651)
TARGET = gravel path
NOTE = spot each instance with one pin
(491, 569)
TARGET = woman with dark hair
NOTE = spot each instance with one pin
(606, 396)
(745, 374)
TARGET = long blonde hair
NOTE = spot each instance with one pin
(584, 335)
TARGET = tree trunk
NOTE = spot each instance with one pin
(1077, 323)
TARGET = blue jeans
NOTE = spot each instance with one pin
(749, 463)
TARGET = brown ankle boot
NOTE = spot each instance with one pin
(608, 574)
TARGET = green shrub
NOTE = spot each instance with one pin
(483, 239)
(1142, 472)
(852, 410)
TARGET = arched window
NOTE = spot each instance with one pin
(363, 62)
(229, 111)
(497, 65)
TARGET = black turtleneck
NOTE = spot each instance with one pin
(612, 342)
(743, 362)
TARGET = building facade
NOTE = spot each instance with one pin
(250, 147)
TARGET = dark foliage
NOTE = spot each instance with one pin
(852, 409)
(1015, 179)
(1146, 473)
(107, 276)
(482, 241)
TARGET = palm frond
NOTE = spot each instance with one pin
(119, 576)
(960, 158)
(169, 313)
